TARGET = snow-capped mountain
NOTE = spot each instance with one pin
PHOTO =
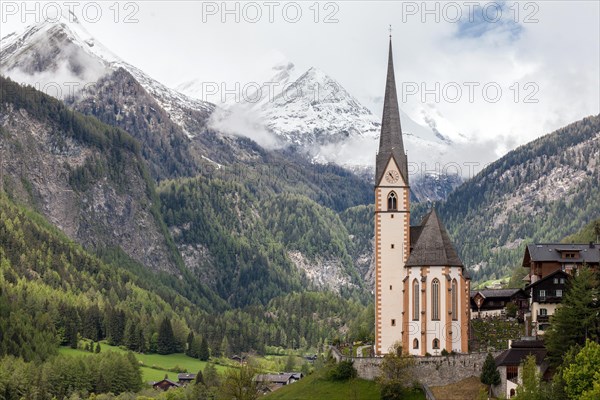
(316, 114)
(63, 59)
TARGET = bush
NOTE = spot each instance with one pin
(392, 391)
(342, 371)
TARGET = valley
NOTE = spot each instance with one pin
(238, 239)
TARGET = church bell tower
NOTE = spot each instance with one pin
(392, 223)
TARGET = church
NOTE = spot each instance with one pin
(421, 286)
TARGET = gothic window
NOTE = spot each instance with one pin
(454, 300)
(435, 299)
(436, 344)
(392, 201)
(415, 343)
(416, 309)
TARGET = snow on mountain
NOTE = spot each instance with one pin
(61, 58)
(316, 114)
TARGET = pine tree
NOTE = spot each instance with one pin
(131, 336)
(577, 318)
(224, 348)
(98, 349)
(489, 373)
(166, 339)
(190, 343)
(204, 352)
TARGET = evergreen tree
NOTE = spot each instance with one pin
(211, 376)
(116, 326)
(190, 343)
(204, 352)
(98, 349)
(131, 339)
(141, 340)
(92, 323)
(489, 373)
(166, 339)
(225, 350)
(577, 318)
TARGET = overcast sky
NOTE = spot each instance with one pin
(544, 53)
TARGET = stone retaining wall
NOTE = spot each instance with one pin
(431, 371)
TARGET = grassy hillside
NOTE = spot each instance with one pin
(154, 366)
(315, 386)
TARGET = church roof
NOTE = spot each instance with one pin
(390, 139)
(432, 245)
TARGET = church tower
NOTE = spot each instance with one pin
(392, 220)
(421, 288)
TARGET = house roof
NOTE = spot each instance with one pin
(495, 293)
(558, 272)
(170, 382)
(186, 376)
(551, 252)
(275, 378)
(517, 356)
(390, 139)
(433, 245)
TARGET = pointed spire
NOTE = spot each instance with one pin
(390, 140)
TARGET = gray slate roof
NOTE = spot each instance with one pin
(491, 293)
(517, 356)
(432, 245)
(275, 378)
(390, 139)
(552, 252)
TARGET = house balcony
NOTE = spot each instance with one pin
(543, 318)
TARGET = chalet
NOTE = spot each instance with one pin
(165, 384)
(272, 382)
(546, 295)
(493, 302)
(240, 359)
(544, 259)
(510, 368)
(184, 379)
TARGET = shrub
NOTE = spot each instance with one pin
(342, 371)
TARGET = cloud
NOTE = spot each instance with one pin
(243, 122)
(71, 72)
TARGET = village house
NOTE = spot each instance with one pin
(544, 259)
(493, 302)
(550, 266)
(271, 382)
(509, 364)
(165, 384)
(184, 379)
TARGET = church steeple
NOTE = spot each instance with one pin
(390, 140)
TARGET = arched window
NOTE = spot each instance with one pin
(392, 201)
(454, 300)
(435, 299)
(416, 294)
(436, 344)
(512, 392)
(415, 343)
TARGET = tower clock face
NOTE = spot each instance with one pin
(392, 176)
